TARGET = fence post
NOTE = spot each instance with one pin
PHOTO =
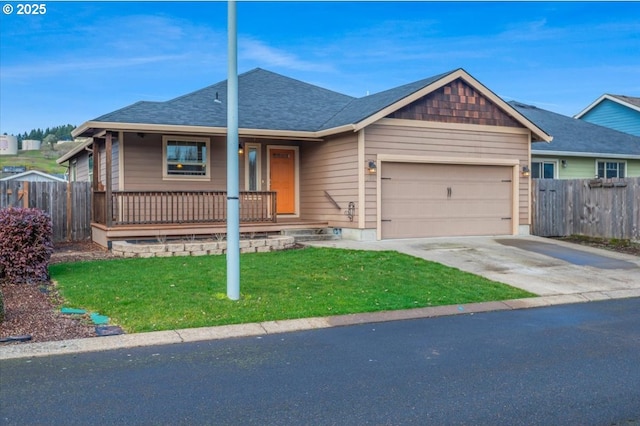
(24, 194)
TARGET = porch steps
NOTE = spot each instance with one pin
(312, 234)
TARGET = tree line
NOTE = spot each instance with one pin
(55, 134)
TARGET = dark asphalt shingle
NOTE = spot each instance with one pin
(574, 135)
(268, 101)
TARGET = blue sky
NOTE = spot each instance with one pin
(83, 59)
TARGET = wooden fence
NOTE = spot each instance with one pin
(68, 204)
(591, 207)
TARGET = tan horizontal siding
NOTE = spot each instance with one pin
(82, 167)
(432, 142)
(330, 166)
(143, 165)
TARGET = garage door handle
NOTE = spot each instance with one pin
(449, 192)
(505, 218)
(385, 220)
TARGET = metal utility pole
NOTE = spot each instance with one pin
(233, 192)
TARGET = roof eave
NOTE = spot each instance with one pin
(585, 154)
(69, 155)
(91, 128)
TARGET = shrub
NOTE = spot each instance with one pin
(26, 244)
(1, 306)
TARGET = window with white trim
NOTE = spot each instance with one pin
(610, 169)
(185, 157)
(543, 169)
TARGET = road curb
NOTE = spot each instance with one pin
(95, 344)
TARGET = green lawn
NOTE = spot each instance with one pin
(184, 292)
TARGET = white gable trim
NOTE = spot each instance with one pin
(47, 177)
(602, 98)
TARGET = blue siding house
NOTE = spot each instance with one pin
(617, 112)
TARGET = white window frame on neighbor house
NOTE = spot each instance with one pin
(617, 169)
(203, 163)
(542, 162)
(250, 148)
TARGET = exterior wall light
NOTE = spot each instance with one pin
(564, 164)
(240, 149)
(372, 168)
(526, 171)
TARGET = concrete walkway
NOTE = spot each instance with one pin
(556, 281)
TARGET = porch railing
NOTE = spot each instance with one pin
(176, 207)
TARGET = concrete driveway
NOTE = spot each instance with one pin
(539, 265)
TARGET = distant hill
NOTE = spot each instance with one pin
(43, 160)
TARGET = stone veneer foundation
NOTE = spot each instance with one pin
(198, 248)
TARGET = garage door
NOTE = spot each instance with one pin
(433, 200)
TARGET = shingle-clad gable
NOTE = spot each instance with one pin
(456, 102)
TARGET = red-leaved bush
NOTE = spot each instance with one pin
(26, 244)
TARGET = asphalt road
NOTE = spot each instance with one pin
(563, 365)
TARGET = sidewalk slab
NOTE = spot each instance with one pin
(221, 332)
(286, 326)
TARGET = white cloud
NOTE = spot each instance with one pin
(254, 50)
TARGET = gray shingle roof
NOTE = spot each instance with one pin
(574, 135)
(266, 100)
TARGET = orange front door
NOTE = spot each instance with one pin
(283, 179)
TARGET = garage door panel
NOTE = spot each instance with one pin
(423, 200)
(453, 209)
(444, 227)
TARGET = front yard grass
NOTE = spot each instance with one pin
(184, 292)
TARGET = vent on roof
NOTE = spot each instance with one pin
(216, 100)
(521, 105)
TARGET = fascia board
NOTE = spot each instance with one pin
(199, 130)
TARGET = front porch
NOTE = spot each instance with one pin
(162, 215)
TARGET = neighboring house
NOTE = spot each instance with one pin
(618, 112)
(579, 149)
(34, 176)
(441, 156)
